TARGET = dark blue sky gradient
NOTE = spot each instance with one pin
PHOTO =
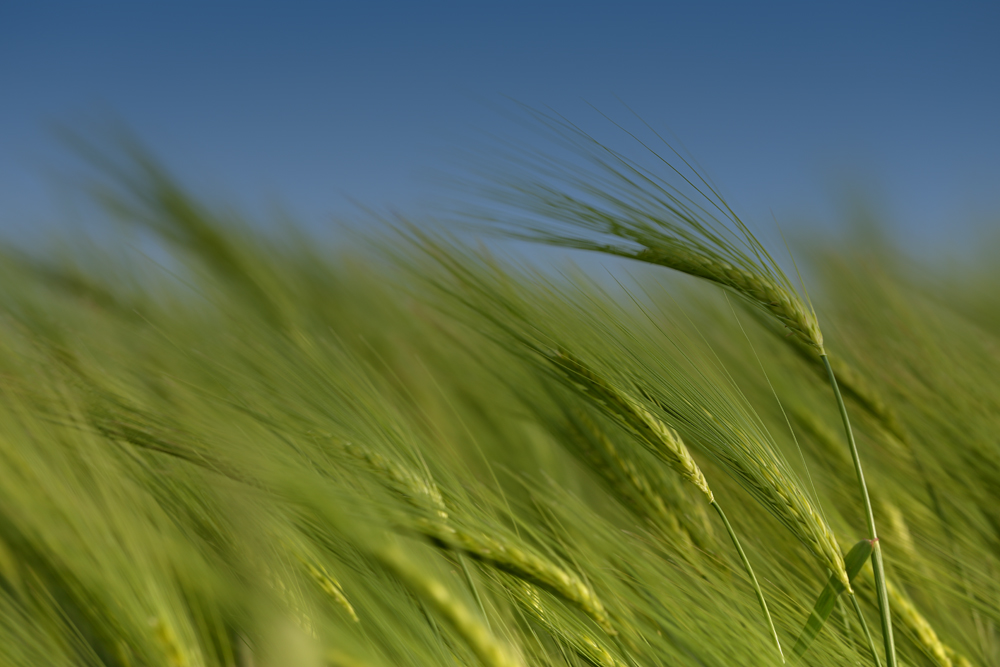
(785, 105)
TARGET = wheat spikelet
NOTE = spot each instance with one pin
(900, 531)
(662, 441)
(759, 289)
(766, 479)
(167, 640)
(687, 229)
(919, 626)
(758, 471)
(418, 490)
(957, 658)
(330, 586)
(907, 613)
(629, 483)
(336, 658)
(655, 435)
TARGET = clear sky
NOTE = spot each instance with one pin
(313, 105)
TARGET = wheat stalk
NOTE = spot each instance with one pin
(853, 383)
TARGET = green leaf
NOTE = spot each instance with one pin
(828, 598)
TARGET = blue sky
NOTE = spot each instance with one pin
(311, 106)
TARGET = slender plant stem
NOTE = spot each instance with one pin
(753, 577)
(864, 627)
(877, 566)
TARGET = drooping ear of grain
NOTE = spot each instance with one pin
(654, 434)
(762, 290)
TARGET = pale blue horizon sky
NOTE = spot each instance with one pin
(315, 105)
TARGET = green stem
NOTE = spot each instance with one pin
(864, 626)
(753, 577)
(877, 566)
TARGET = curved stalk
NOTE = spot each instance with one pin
(753, 577)
(877, 566)
(864, 627)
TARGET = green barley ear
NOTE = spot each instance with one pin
(614, 205)
(490, 651)
(922, 630)
(639, 489)
(761, 288)
(660, 439)
(329, 585)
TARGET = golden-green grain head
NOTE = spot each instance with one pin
(507, 555)
(766, 478)
(761, 290)
(638, 488)
(331, 587)
(654, 434)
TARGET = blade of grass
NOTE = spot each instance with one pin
(821, 611)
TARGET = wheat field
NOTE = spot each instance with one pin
(410, 450)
